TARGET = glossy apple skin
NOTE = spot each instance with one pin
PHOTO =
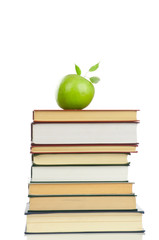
(74, 92)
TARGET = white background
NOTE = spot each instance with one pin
(39, 43)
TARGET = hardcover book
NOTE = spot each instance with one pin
(84, 222)
(84, 148)
(84, 133)
(79, 185)
(77, 203)
(84, 115)
(80, 173)
(79, 158)
(79, 188)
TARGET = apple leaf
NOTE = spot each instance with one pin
(93, 68)
(78, 70)
(94, 79)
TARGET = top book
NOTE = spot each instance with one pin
(85, 115)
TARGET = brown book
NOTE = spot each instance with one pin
(73, 203)
(84, 148)
(84, 115)
(80, 188)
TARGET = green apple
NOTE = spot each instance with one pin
(74, 92)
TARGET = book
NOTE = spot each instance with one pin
(80, 173)
(77, 203)
(84, 115)
(84, 221)
(84, 148)
(79, 185)
(86, 236)
(79, 158)
(80, 188)
(84, 133)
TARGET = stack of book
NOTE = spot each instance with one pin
(79, 186)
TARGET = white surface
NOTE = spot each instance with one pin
(89, 133)
(88, 236)
(39, 43)
(82, 173)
